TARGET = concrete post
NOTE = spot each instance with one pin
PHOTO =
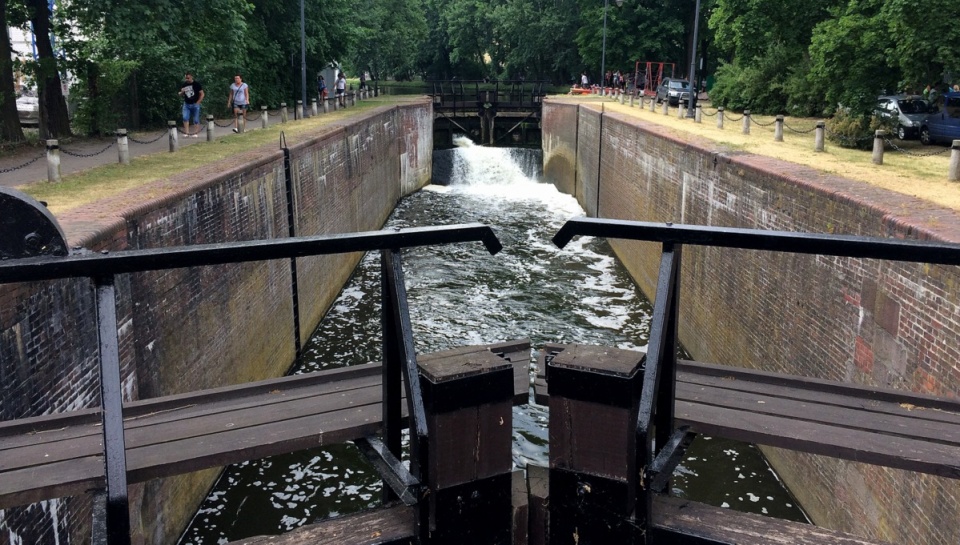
(283, 112)
(53, 161)
(173, 136)
(746, 122)
(621, 97)
(211, 127)
(778, 129)
(818, 138)
(264, 117)
(666, 107)
(298, 111)
(468, 403)
(353, 98)
(653, 104)
(878, 147)
(698, 117)
(242, 122)
(954, 162)
(592, 493)
(326, 104)
(313, 107)
(631, 100)
(681, 109)
(123, 146)
(720, 117)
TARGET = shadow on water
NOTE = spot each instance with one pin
(460, 295)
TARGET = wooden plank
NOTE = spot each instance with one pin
(675, 515)
(390, 525)
(815, 438)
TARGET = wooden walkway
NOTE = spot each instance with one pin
(885, 427)
(62, 455)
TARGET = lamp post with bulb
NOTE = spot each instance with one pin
(603, 51)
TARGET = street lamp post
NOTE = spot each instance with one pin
(693, 64)
(603, 51)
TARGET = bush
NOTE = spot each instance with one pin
(849, 130)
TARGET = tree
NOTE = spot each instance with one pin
(54, 120)
(10, 129)
(927, 48)
(389, 38)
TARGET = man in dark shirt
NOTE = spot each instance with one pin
(192, 93)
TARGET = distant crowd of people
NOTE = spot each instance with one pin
(933, 93)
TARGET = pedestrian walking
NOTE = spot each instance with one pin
(341, 89)
(321, 87)
(239, 100)
(192, 93)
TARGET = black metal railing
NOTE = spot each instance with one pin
(399, 355)
(659, 445)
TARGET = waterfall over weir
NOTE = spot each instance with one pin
(460, 295)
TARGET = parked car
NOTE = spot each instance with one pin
(905, 112)
(944, 124)
(673, 91)
(28, 107)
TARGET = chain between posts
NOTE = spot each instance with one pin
(76, 154)
(159, 136)
(28, 163)
(704, 112)
(798, 131)
(890, 143)
(731, 118)
(754, 120)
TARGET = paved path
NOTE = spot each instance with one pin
(28, 164)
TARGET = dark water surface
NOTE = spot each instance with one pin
(461, 295)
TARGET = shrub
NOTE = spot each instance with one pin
(849, 130)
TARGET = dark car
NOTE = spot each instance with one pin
(673, 91)
(904, 112)
(944, 124)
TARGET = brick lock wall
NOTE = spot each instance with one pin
(560, 145)
(885, 324)
(188, 329)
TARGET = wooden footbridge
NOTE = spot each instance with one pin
(506, 112)
(620, 420)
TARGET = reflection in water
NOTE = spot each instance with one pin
(461, 295)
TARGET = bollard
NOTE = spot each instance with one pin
(720, 117)
(313, 107)
(298, 111)
(283, 112)
(698, 117)
(123, 146)
(681, 109)
(264, 116)
(621, 98)
(746, 122)
(666, 107)
(778, 129)
(631, 100)
(653, 104)
(53, 161)
(878, 147)
(326, 104)
(468, 398)
(592, 493)
(211, 127)
(353, 98)
(174, 137)
(818, 138)
(954, 174)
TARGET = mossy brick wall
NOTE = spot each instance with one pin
(203, 327)
(887, 324)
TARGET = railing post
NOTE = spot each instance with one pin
(878, 147)
(954, 174)
(819, 136)
(264, 117)
(746, 122)
(468, 401)
(698, 117)
(211, 128)
(283, 112)
(594, 396)
(720, 117)
(53, 161)
(173, 137)
(123, 147)
(313, 107)
(778, 129)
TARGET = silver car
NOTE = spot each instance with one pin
(673, 91)
(28, 108)
(907, 112)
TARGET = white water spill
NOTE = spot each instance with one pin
(460, 295)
